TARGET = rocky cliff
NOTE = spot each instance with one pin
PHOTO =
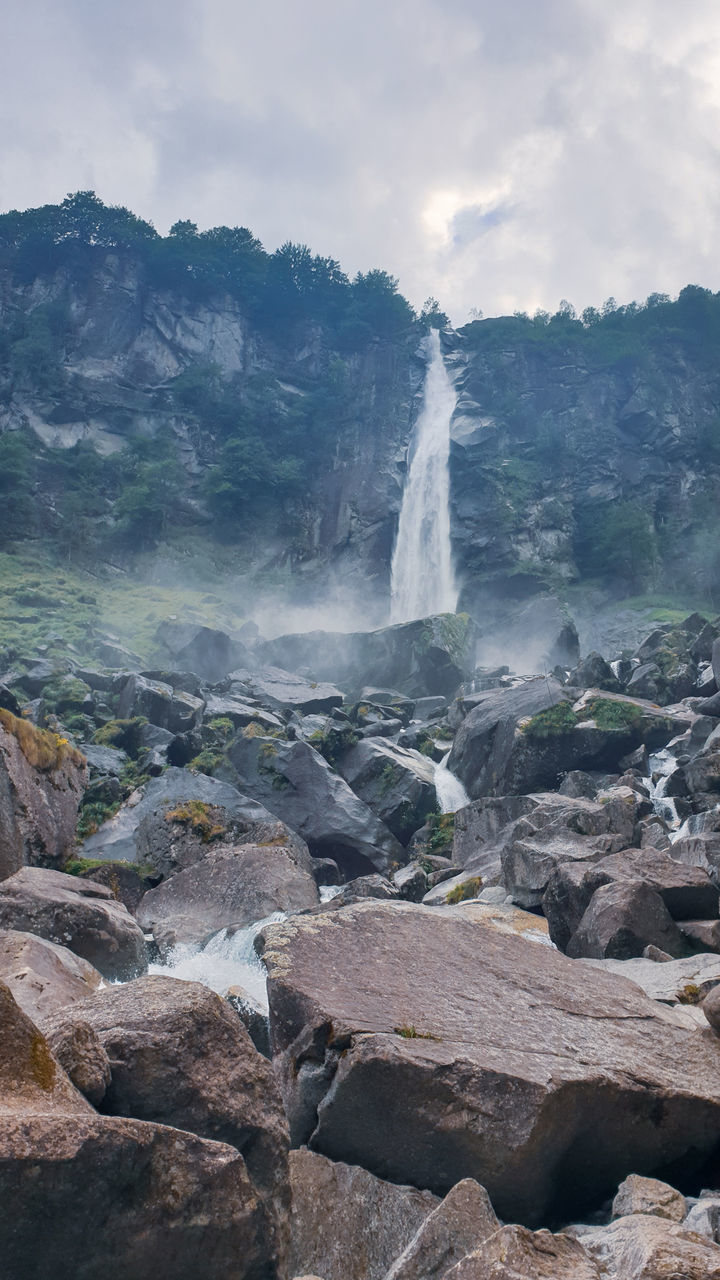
(153, 401)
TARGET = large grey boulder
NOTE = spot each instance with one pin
(78, 914)
(43, 976)
(396, 783)
(282, 691)
(42, 779)
(459, 1224)
(649, 1195)
(688, 892)
(496, 1058)
(179, 1055)
(645, 1247)
(430, 656)
(512, 742)
(85, 1196)
(205, 650)
(621, 920)
(514, 1253)
(683, 981)
(168, 708)
(312, 799)
(118, 838)
(233, 885)
(523, 838)
(346, 1223)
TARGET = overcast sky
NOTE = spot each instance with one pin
(499, 154)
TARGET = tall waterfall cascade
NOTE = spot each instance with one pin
(422, 581)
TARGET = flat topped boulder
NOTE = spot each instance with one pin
(285, 691)
(78, 914)
(428, 1047)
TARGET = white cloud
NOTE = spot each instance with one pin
(499, 157)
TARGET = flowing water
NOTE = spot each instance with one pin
(450, 791)
(227, 959)
(662, 765)
(422, 579)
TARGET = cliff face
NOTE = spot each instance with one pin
(578, 454)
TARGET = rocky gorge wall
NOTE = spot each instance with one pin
(582, 453)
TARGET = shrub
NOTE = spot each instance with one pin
(553, 720)
(201, 818)
(465, 891)
(609, 714)
(42, 749)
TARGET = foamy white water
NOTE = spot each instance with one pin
(226, 960)
(662, 765)
(422, 581)
(450, 791)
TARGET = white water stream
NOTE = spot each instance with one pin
(662, 765)
(450, 791)
(422, 581)
(226, 960)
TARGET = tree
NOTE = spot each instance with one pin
(432, 316)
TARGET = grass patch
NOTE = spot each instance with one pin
(464, 892)
(199, 817)
(442, 828)
(42, 749)
(553, 720)
(124, 734)
(610, 715)
(411, 1033)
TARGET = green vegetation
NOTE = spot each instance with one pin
(124, 734)
(333, 742)
(442, 832)
(411, 1033)
(464, 892)
(42, 749)
(202, 819)
(609, 713)
(553, 720)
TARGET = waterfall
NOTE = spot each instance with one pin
(450, 792)
(422, 579)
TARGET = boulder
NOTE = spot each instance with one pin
(123, 880)
(459, 1224)
(205, 650)
(120, 839)
(683, 981)
(704, 1217)
(648, 1195)
(686, 891)
(430, 656)
(232, 886)
(168, 708)
(42, 779)
(593, 672)
(42, 975)
(622, 918)
(397, 784)
(282, 691)
(78, 1049)
(495, 1058)
(87, 1198)
(347, 1223)
(307, 794)
(238, 712)
(32, 1082)
(643, 1247)
(77, 914)
(180, 1056)
(514, 742)
(514, 1253)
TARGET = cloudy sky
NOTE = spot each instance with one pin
(499, 154)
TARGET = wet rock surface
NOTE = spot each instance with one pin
(350, 1056)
